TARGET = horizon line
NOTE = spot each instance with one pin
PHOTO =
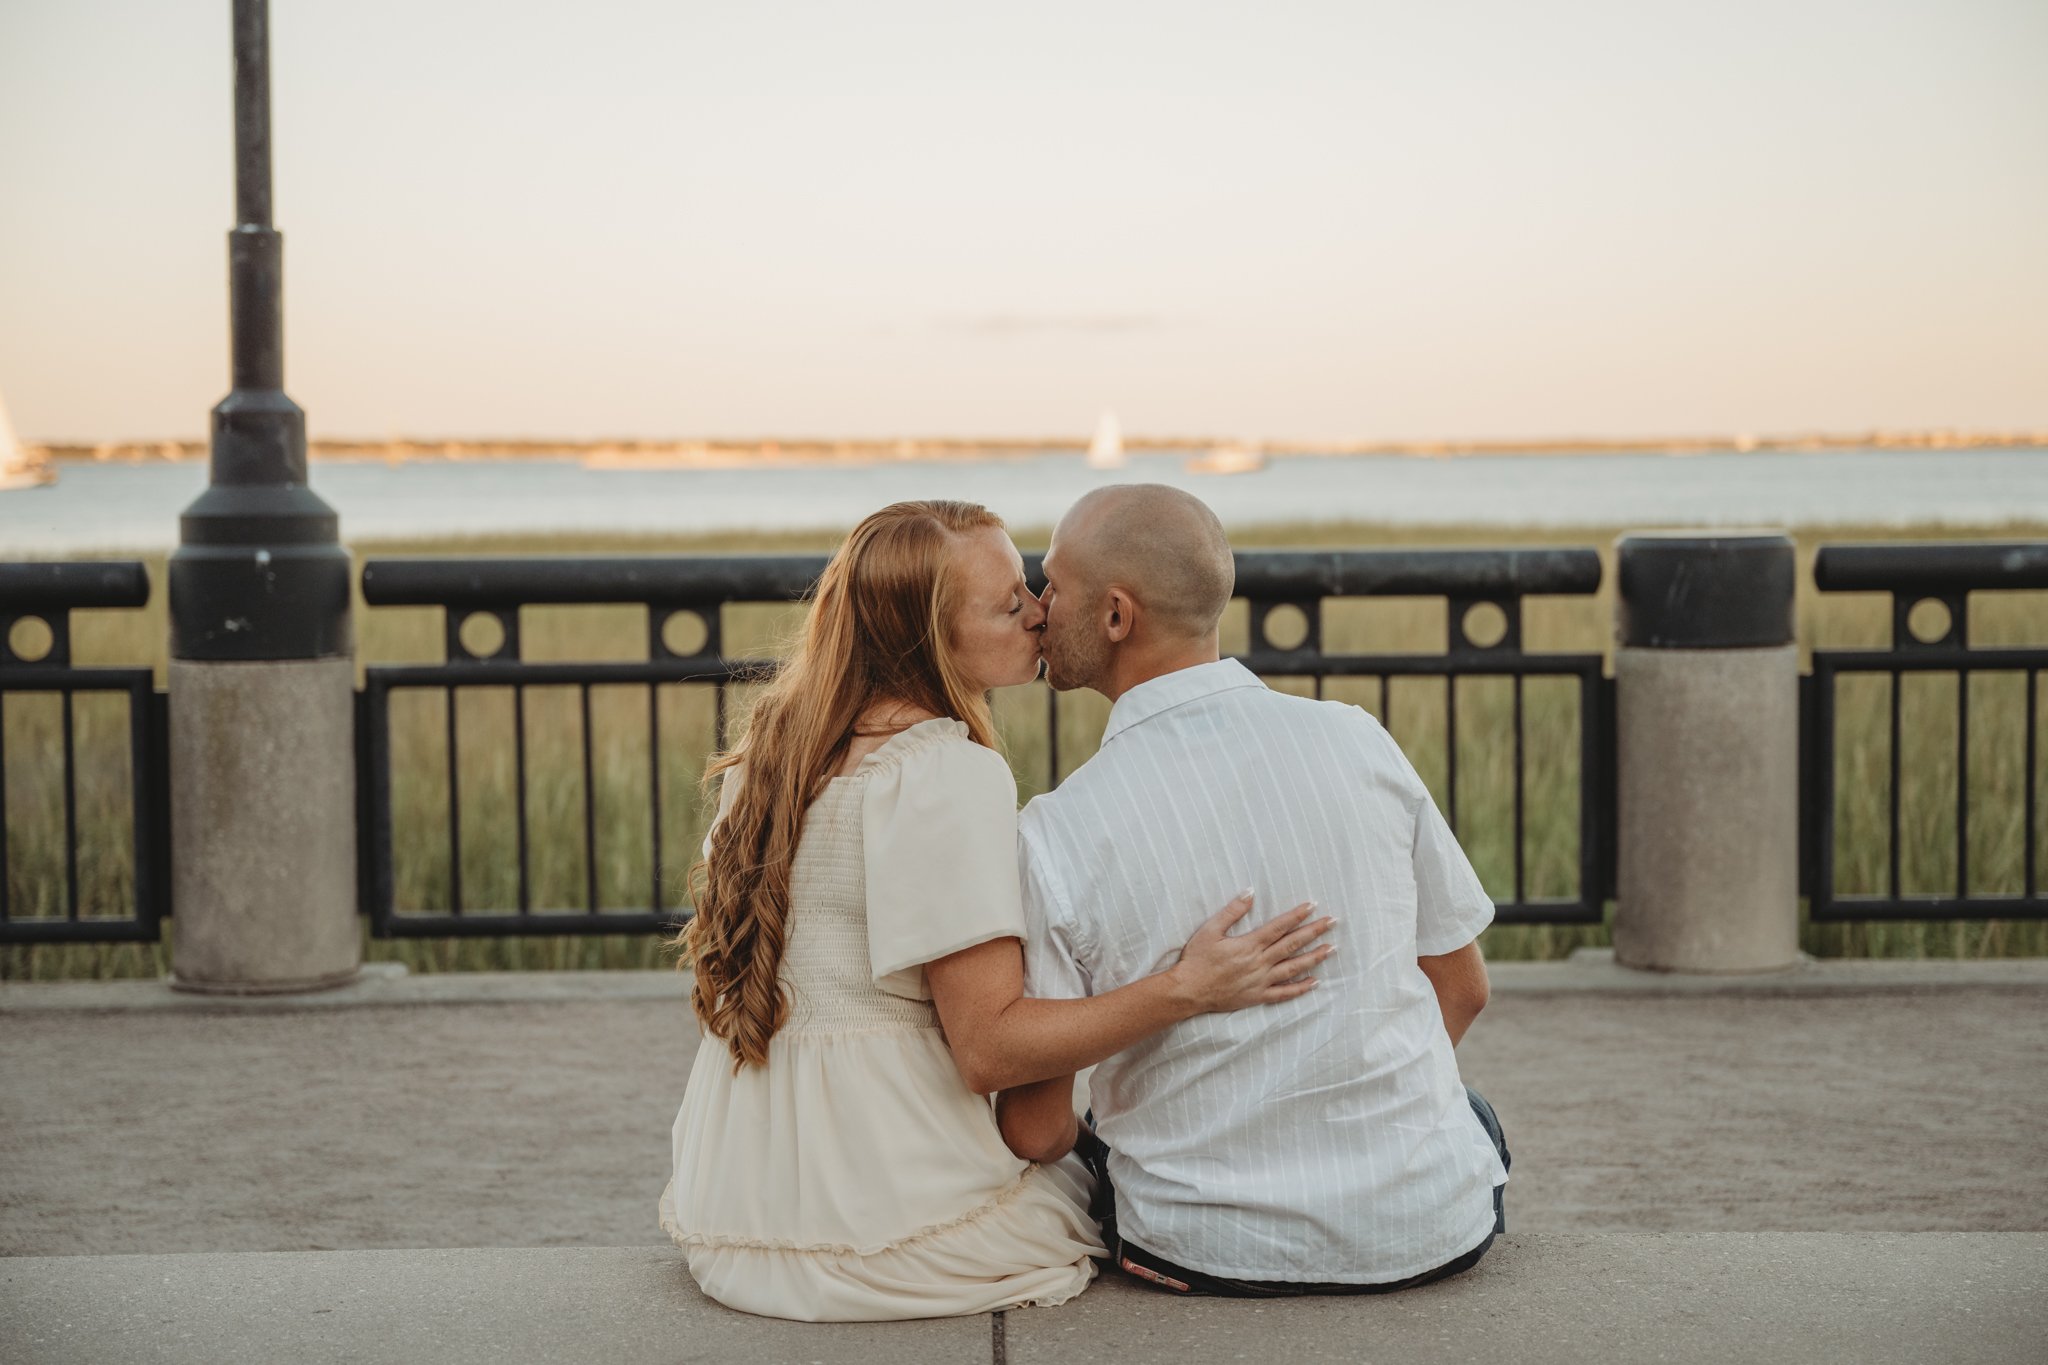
(1914, 437)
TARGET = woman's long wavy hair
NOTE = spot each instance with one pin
(877, 632)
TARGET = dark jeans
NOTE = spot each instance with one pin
(1164, 1274)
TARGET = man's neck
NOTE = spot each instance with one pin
(1129, 670)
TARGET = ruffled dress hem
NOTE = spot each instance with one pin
(719, 1241)
(1031, 1246)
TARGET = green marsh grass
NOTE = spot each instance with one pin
(622, 717)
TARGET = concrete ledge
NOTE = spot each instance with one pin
(1702, 1299)
(1591, 971)
(381, 984)
(1715, 1297)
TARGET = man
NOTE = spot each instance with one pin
(1324, 1145)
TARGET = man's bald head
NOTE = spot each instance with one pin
(1164, 546)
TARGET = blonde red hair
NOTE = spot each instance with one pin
(877, 632)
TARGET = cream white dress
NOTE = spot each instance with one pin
(855, 1176)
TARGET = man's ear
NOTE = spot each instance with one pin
(1122, 617)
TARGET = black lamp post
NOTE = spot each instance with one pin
(260, 572)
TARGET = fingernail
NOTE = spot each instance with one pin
(1243, 895)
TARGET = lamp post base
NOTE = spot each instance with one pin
(263, 809)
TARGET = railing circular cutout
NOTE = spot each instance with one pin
(1285, 627)
(1484, 625)
(482, 634)
(1930, 621)
(31, 639)
(685, 633)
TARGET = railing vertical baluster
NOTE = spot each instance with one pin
(718, 715)
(1810, 785)
(70, 812)
(454, 812)
(1052, 736)
(2026, 840)
(1451, 748)
(1820, 801)
(589, 811)
(142, 779)
(1387, 702)
(1598, 868)
(519, 780)
(1521, 895)
(1962, 784)
(654, 783)
(380, 892)
(1892, 848)
(159, 799)
(7, 876)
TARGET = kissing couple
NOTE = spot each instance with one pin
(897, 975)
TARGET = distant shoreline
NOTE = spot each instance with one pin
(103, 507)
(772, 451)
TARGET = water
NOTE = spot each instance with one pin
(135, 507)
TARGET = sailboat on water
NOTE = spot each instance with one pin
(17, 470)
(1106, 451)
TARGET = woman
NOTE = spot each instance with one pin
(859, 975)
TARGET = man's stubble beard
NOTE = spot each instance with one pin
(1073, 670)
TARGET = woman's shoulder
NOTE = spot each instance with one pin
(939, 756)
(929, 743)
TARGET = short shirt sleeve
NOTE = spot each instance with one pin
(939, 833)
(1451, 907)
(1054, 965)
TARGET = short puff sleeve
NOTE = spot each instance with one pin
(939, 833)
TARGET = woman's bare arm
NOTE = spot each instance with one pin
(1000, 1039)
(1037, 1120)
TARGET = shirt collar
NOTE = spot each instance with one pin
(1168, 690)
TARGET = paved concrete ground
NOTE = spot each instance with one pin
(544, 1121)
(1538, 1299)
(1705, 1172)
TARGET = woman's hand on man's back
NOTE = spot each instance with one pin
(1222, 971)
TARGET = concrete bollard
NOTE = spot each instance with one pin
(1707, 749)
(263, 811)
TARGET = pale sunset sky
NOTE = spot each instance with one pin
(1300, 221)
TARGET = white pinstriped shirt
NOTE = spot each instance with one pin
(1327, 1139)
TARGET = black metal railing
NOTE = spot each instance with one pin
(1933, 583)
(694, 591)
(675, 591)
(1866, 831)
(45, 594)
